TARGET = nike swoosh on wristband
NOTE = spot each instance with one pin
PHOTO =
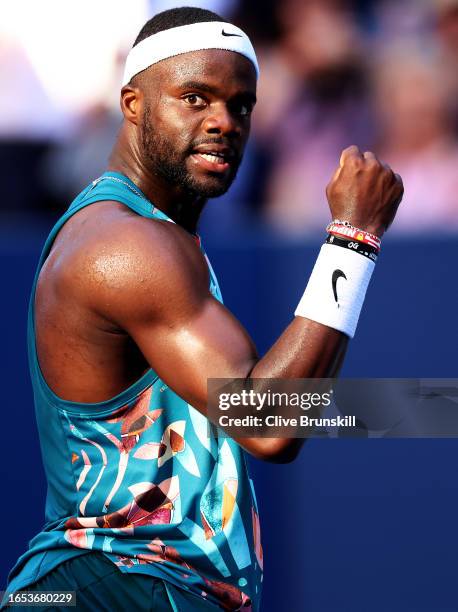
(335, 277)
(230, 34)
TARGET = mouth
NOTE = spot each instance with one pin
(213, 158)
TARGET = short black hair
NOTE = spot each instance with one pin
(173, 18)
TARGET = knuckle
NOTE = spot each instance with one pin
(371, 161)
(388, 172)
(351, 152)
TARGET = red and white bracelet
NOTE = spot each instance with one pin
(346, 230)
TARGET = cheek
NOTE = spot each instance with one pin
(172, 122)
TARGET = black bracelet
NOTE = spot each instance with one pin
(357, 247)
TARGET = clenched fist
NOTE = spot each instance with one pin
(364, 191)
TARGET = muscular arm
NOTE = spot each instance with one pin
(158, 292)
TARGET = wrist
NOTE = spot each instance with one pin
(336, 289)
(344, 229)
(377, 229)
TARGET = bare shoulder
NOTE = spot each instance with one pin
(119, 263)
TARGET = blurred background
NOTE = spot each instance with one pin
(381, 74)
(352, 525)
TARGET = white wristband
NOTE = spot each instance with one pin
(336, 289)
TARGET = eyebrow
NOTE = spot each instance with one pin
(214, 90)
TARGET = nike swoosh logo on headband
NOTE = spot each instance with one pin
(230, 34)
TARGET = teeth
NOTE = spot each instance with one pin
(215, 159)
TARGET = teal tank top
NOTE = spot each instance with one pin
(143, 477)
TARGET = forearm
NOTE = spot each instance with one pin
(306, 349)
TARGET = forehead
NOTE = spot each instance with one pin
(215, 67)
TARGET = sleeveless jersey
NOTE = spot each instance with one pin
(143, 477)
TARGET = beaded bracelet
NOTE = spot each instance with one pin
(348, 224)
(346, 230)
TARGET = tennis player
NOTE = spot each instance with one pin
(144, 509)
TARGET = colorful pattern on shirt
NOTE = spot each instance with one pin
(144, 477)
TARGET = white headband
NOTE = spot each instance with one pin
(183, 39)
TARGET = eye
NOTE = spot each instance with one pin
(242, 108)
(193, 99)
(245, 109)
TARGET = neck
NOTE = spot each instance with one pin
(175, 201)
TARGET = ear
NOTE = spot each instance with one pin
(131, 103)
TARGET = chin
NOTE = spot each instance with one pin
(210, 188)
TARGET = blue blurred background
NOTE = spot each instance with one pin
(352, 525)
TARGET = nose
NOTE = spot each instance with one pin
(221, 121)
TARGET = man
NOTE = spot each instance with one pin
(144, 508)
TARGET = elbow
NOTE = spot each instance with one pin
(281, 450)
